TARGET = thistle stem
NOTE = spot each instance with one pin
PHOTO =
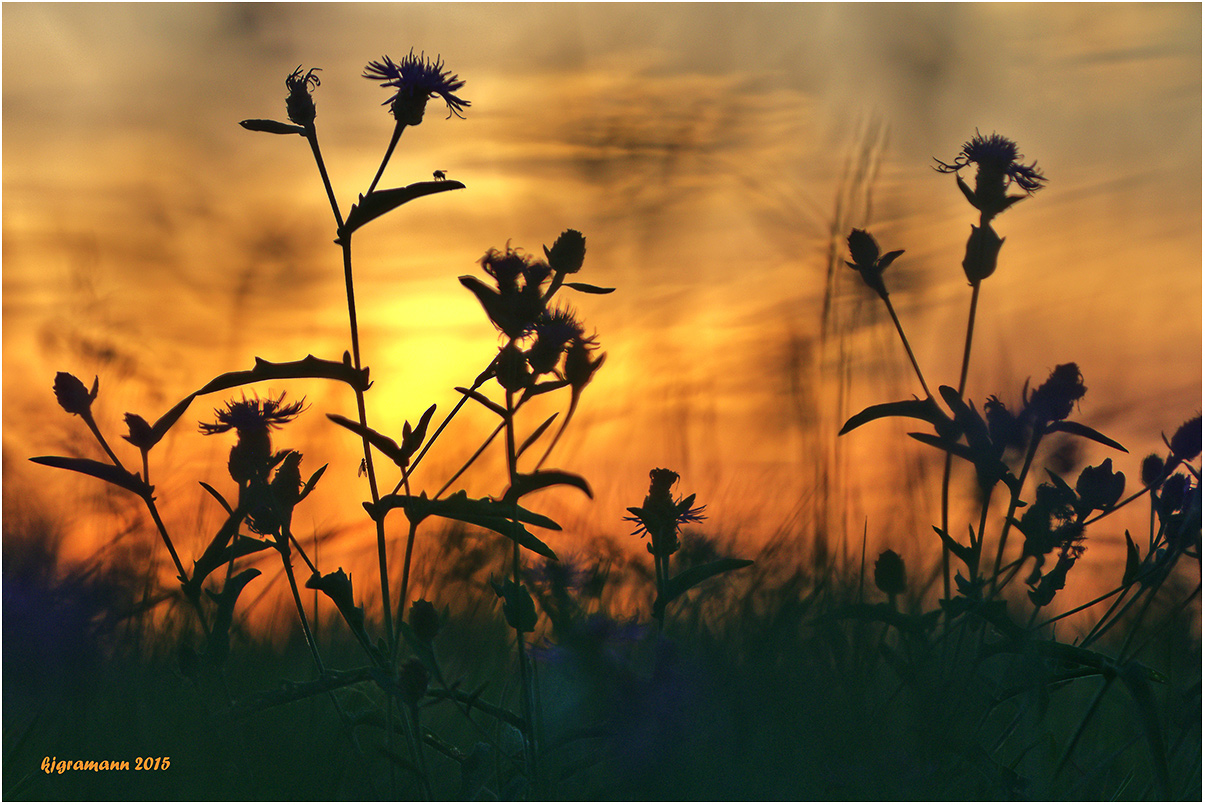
(311, 136)
(397, 134)
(907, 346)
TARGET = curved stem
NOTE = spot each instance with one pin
(908, 347)
(311, 137)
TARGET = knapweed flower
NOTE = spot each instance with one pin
(1186, 443)
(300, 104)
(252, 420)
(1053, 400)
(416, 80)
(1099, 487)
(553, 332)
(661, 516)
(514, 308)
(997, 167)
(864, 249)
(568, 253)
(141, 435)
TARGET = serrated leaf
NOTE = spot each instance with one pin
(271, 127)
(105, 472)
(687, 579)
(925, 409)
(526, 483)
(1076, 429)
(307, 367)
(379, 202)
(586, 288)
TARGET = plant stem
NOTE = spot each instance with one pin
(397, 134)
(899, 328)
(311, 137)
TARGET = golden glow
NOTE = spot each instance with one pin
(151, 241)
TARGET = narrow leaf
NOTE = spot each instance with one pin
(378, 440)
(925, 409)
(1137, 681)
(1076, 429)
(308, 367)
(693, 576)
(535, 435)
(585, 288)
(271, 127)
(380, 202)
(961, 551)
(105, 472)
(1132, 561)
(164, 423)
(473, 394)
(217, 496)
(526, 483)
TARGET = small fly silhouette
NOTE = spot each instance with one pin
(440, 176)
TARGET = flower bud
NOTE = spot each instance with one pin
(568, 253)
(300, 104)
(889, 573)
(1054, 399)
(424, 620)
(72, 395)
(512, 372)
(983, 249)
(1152, 469)
(1099, 487)
(1186, 443)
(141, 434)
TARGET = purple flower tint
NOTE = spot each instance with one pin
(416, 77)
(996, 154)
(253, 416)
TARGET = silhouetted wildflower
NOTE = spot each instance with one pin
(982, 253)
(1099, 488)
(1053, 400)
(73, 395)
(1003, 427)
(553, 330)
(1045, 588)
(865, 251)
(568, 253)
(300, 104)
(889, 573)
(416, 80)
(141, 434)
(1153, 469)
(997, 167)
(252, 420)
(424, 620)
(579, 366)
(1186, 443)
(661, 516)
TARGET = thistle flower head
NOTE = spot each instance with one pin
(253, 416)
(416, 79)
(997, 164)
(300, 104)
(554, 329)
(73, 395)
(867, 261)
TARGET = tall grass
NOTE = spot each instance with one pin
(813, 672)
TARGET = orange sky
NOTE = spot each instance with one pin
(151, 241)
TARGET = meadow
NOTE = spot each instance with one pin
(696, 669)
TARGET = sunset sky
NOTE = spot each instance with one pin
(701, 149)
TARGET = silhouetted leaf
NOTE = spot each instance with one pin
(164, 423)
(525, 483)
(1076, 429)
(380, 441)
(585, 288)
(217, 496)
(1133, 561)
(957, 448)
(536, 434)
(105, 472)
(481, 398)
(219, 638)
(310, 484)
(494, 515)
(308, 367)
(687, 579)
(965, 554)
(925, 409)
(271, 127)
(380, 202)
(212, 558)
